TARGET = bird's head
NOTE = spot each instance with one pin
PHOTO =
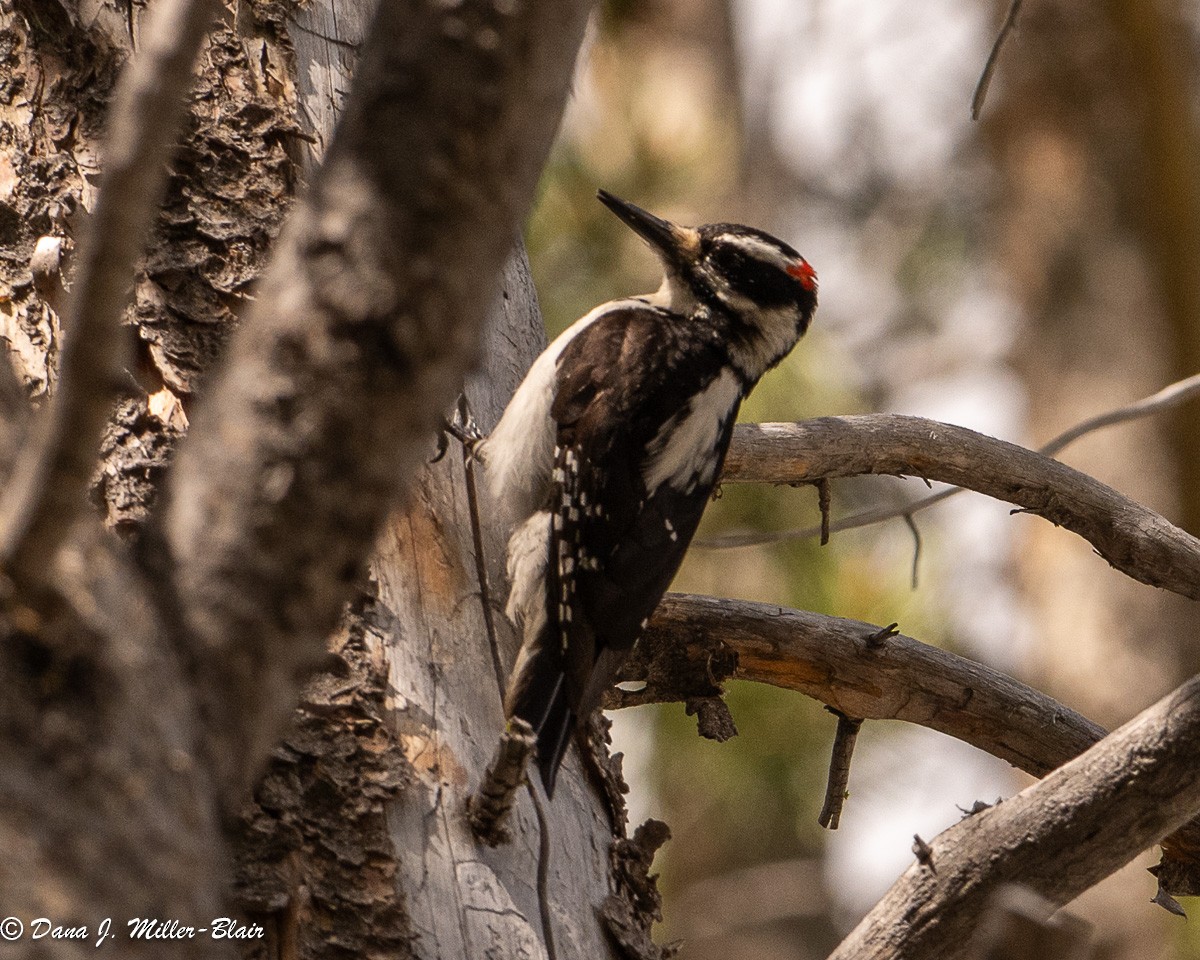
(747, 273)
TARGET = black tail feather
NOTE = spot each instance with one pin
(540, 699)
(553, 737)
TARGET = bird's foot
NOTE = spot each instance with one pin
(462, 427)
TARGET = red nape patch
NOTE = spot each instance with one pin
(804, 273)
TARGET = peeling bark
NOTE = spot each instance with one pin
(315, 862)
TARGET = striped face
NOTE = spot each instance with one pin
(761, 282)
(749, 269)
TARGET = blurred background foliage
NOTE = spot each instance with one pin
(1014, 275)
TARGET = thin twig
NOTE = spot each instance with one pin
(824, 500)
(49, 483)
(1167, 398)
(839, 769)
(867, 518)
(916, 535)
(989, 68)
(468, 440)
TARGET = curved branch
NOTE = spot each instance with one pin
(989, 68)
(1168, 398)
(695, 642)
(1058, 837)
(49, 483)
(841, 663)
(1132, 538)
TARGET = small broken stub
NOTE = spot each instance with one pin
(713, 719)
(489, 806)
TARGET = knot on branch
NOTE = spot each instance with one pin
(675, 664)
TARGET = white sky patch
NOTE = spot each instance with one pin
(860, 84)
(904, 780)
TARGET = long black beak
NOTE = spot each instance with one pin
(664, 236)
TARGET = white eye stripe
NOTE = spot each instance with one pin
(759, 250)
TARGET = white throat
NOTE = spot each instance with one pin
(673, 294)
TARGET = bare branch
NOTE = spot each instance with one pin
(1058, 837)
(841, 663)
(1134, 539)
(48, 487)
(839, 769)
(989, 68)
(857, 670)
(1169, 397)
(865, 518)
(357, 342)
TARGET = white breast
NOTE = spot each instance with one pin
(528, 554)
(681, 453)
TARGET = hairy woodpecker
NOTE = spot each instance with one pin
(610, 448)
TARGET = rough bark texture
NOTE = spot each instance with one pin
(321, 855)
(316, 865)
(432, 642)
(133, 714)
(856, 669)
(46, 491)
(357, 342)
(464, 898)
(106, 809)
(55, 77)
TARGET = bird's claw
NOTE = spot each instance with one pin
(462, 427)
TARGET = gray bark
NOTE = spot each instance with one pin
(356, 344)
(466, 900)
(141, 703)
(111, 788)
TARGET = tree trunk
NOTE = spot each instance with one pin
(357, 840)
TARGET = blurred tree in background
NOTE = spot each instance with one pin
(1016, 276)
